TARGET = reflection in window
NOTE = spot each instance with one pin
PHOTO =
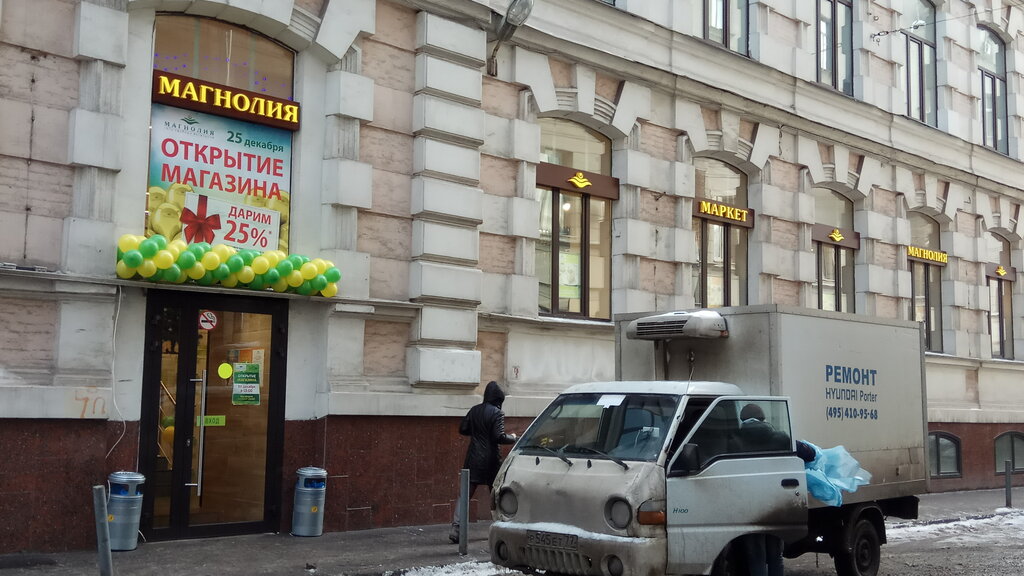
(720, 276)
(834, 282)
(742, 427)
(217, 52)
(1008, 447)
(926, 281)
(992, 67)
(943, 455)
(1000, 288)
(919, 22)
(573, 251)
(725, 23)
(835, 44)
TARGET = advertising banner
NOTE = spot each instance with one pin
(218, 180)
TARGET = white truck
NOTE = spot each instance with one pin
(652, 474)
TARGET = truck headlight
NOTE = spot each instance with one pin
(507, 502)
(618, 513)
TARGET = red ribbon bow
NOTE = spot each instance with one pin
(199, 227)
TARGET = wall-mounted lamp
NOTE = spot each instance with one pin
(877, 36)
(517, 13)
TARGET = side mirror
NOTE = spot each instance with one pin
(688, 461)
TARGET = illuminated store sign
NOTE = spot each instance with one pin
(934, 256)
(185, 92)
(723, 213)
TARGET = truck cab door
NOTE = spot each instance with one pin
(733, 474)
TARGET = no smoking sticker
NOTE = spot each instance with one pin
(207, 320)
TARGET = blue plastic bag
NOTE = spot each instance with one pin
(832, 472)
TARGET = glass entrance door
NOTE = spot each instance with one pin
(213, 414)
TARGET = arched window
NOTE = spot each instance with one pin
(992, 103)
(575, 191)
(835, 44)
(834, 245)
(943, 455)
(726, 23)
(919, 28)
(1000, 276)
(721, 220)
(926, 260)
(1010, 446)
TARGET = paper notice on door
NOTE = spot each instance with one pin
(245, 384)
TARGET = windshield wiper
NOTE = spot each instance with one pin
(557, 454)
(608, 456)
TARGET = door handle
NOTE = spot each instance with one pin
(790, 482)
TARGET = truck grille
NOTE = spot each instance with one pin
(560, 561)
(664, 328)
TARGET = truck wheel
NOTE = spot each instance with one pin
(865, 556)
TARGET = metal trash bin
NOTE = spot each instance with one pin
(124, 509)
(310, 492)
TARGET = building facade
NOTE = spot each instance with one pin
(241, 238)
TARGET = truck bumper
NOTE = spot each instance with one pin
(594, 554)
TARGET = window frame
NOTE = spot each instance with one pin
(995, 117)
(927, 91)
(726, 7)
(999, 278)
(832, 59)
(925, 272)
(725, 227)
(934, 439)
(1016, 465)
(842, 240)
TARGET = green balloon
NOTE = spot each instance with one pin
(206, 280)
(285, 267)
(161, 242)
(149, 248)
(296, 261)
(186, 260)
(170, 274)
(332, 274)
(306, 288)
(319, 282)
(133, 258)
(256, 284)
(271, 276)
(206, 246)
(221, 272)
(197, 250)
(247, 256)
(235, 263)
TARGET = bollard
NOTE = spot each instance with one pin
(310, 493)
(124, 509)
(99, 505)
(463, 511)
(1008, 467)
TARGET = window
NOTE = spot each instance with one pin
(992, 67)
(834, 245)
(573, 253)
(725, 22)
(1008, 446)
(1000, 276)
(920, 78)
(741, 427)
(943, 455)
(721, 220)
(925, 278)
(835, 44)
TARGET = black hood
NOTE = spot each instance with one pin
(493, 394)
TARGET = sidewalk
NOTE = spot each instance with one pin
(386, 551)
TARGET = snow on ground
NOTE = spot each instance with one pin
(461, 569)
(1008, 523)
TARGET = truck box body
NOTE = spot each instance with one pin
(854, 381)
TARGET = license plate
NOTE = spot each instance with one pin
(551, 540)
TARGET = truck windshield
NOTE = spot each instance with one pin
(621, 426)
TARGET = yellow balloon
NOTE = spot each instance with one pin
(246, 274)
(321, 265)
(211, 260)
(222, 250)
(196, 272)
(272, 258)
(328, 264)
(295, 279)
(182, 277)
(260, 264)
(330, 290)
(280, 285)
(124, 271)
(179, 245)
(308, 271)
(225, 371)
(128, 242)
(230, 281)
(148, 269)
(163, 259)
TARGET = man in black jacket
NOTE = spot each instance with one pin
(485, 426)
